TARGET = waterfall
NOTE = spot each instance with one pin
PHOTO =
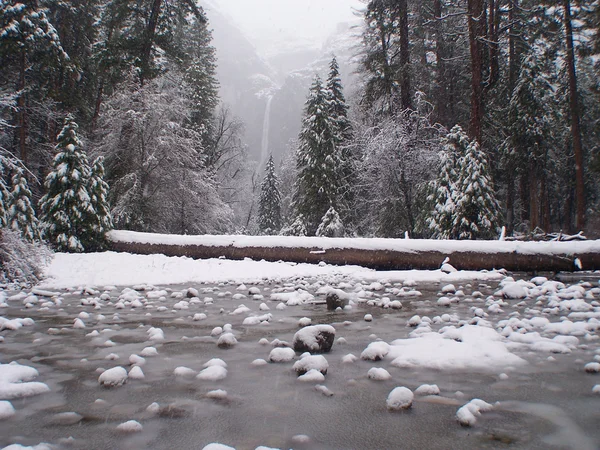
(264, 147)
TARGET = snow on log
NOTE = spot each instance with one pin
(377, 253)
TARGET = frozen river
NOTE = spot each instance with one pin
(522, 350)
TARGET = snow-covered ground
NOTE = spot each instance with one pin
(196, 354)
(123, 269)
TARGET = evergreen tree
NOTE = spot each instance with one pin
(269, 208)
(21, 215)
(67, 213)
(343, 132)
(5, 166)
(331, 225)
(443, 190)
(98, 189)
(337, 102)
(476, 212)
(319, 162)
(296, 228)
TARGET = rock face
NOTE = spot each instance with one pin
(334, 301)
(314, 339)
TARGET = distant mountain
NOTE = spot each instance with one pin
(248, 81)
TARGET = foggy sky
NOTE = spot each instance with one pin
(273, 25)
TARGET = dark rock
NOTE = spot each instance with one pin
(334, 301)
(314, 339)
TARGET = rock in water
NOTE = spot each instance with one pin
(334, 301)
(400, 398)
(314, 339)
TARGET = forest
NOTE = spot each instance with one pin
(470, 116)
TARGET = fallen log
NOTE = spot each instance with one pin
(380, 254)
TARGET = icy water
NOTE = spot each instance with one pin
(546, 403)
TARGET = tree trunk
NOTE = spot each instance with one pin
(476, 28)
(510, 206)
(22, 109)
(524, 196)
(513, 64)
(405, 94)
(493, 25)
(534, 208)
(575, 127)
(149, 40)
(440, 98)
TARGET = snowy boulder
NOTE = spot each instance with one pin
(400, 398)
(314, 339)
(310, 362)
(592, 367)
(131, 426)
(312, 376)
(378, 374)
(113, 377)
(375, 351)
(281, 354)
(467, 414)
(226, 340)
(428, 389)
(136, 373)
(212, 373)
(336, 299)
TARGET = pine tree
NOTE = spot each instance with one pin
(331, 224)
(5, 166)
(337, 102)
(269, 209)
(476, 211)
(443, 190)
(319, 163)
(67, 213)
(296, 228)
(21, 215)
(98, 189)
(338, 111)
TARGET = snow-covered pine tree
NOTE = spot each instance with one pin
(337, 102)
(5, 166)
(21, 215)
(269, 208)
(296, 228)
(343, 135)
(67, 214)
(476, 210)
(320, 165)
(443, 190)
(331, 224)
(98, 189)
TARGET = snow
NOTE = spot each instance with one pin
(378, 374)
(405, 245)
(282, 354)
(217, 446)
(120, 269)
(131, 426)
(212, 373)
(6, 409)
(469, 347)
(15, 382)
(467, 414)
(312, 376)
(400, 398)
(113, 377)
(311, 362)
(428, 389)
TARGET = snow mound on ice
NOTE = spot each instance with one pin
(400, 398)
(467, 414)
(15, 382)
(470, 347)
(113, 377)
